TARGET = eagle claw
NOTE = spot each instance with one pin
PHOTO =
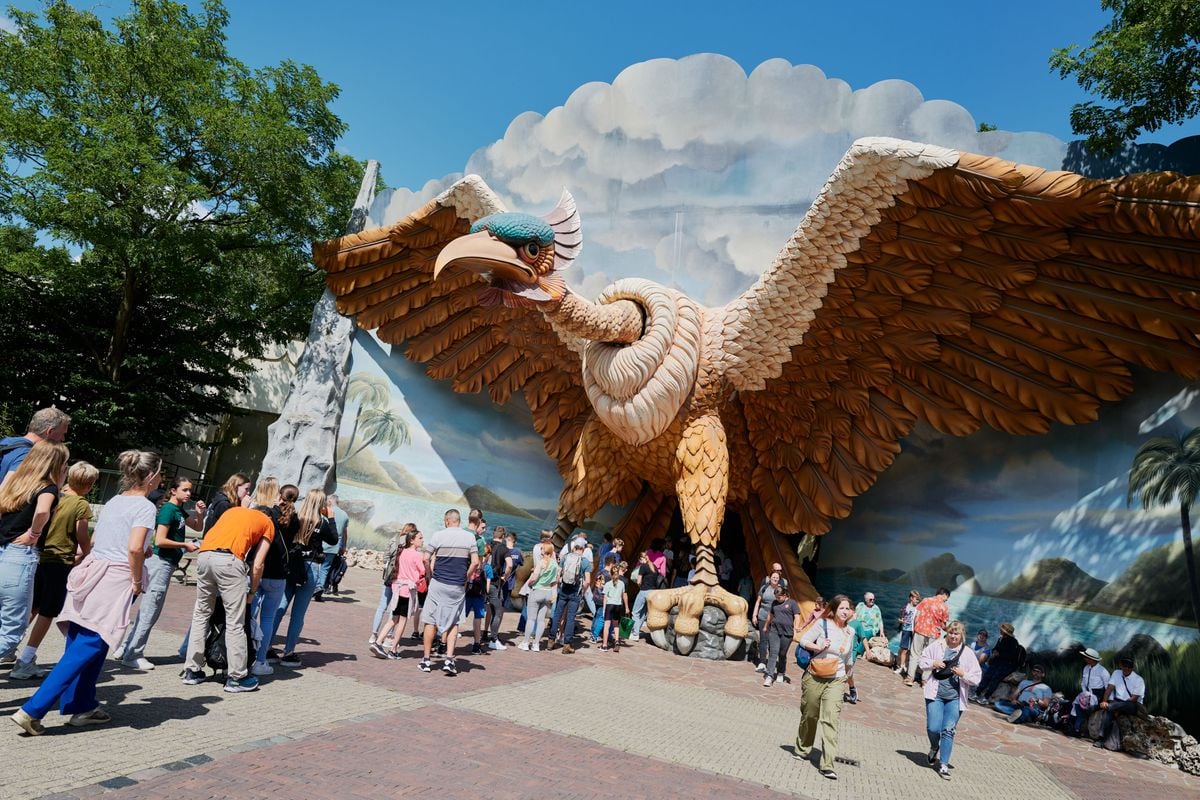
(690, 602)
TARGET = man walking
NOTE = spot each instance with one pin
(931, 616)
(454, 560)
(575, 575)
(502, 568)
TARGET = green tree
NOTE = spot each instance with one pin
(1167, 471)
(158, 199)
(369, 391)
(1146, 62)
(383, 427)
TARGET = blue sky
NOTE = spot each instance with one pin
(426, 84)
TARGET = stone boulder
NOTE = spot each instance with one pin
(358, 509)
(710, 640)
(878, 652)
(389, 529)
(1189, 755)
(365, 559)
(1144, 650)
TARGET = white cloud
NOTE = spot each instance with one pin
(7, 24)
(694, 173)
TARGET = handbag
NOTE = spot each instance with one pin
(422, 585)
(947, 670)
(825, 666)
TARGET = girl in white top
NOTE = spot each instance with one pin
(828, 639)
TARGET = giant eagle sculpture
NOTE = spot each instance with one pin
(923, 285)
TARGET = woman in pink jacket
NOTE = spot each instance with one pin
(953, 670)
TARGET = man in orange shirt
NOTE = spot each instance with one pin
(931, 617)
(221, 571)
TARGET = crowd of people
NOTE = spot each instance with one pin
(267, 551)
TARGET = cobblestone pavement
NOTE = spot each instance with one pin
(638, 723)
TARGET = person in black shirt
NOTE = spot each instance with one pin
(502, 566)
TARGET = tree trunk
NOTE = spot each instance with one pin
(1189, 559)
(120, 336)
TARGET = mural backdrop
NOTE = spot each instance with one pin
(693, 174)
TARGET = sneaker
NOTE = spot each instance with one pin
(193, 676)
(440, 648)
(290, 660)
(1015, 716)
(394, 655)
(378, 651)
(761, 668)
(850, 698)
(896, 670)
(261, 669)
(603, 648)
(246, 684)
(798, 756)
(371, 641)
(853, 696)
(449, 667)
(552, 644)
(932, 757)
(25, 670)
(828, 773)
(97, 716)
(944, 772)
(496, 644)
(272, 655)
(523, 645)
(29, 724)
(144, 664)
(768, 680)
(567, 649)
(425, 665)
(8, 661)
(416, 637)
(535, 647)
(476, 650)
(317, 598)
(785, 679)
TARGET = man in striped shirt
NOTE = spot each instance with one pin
(454, 560)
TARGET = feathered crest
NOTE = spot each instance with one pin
(568, 231)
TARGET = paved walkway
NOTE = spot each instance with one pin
(638, 723)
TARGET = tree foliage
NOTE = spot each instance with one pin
(1146, 62)
(158, 199)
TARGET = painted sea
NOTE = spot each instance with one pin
(1039, 626)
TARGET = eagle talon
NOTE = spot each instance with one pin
(689, 602)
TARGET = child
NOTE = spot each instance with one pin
(66, 534)
(610, 562)
(616, 605)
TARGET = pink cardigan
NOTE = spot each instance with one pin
(100, 598)
(972, 674)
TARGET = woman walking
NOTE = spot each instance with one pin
(410, 577)
(170, 543)
(762, 609)
(391, 560)
(100, 592)
(907, 617)
(27, 501)
(831, 643)
(954, 670)
(540, 586)
(280, 506)
(316, 529)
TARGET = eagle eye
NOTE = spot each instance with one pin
(529, 252)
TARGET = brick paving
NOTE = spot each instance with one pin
(640, 723)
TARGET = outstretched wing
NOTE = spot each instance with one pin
(957, 289)
(384, 277)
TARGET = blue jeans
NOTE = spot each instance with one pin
(151, 606)
(941, 720)
(303, 596)
(385, 600)
(323, 578)
(1008, 707)
(18, 565)
(73, 679)
(993, 673)
(568, 603)
(638, 614)
(265, 608)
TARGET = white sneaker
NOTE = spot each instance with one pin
(761, 668)
(26, 670)
(143, 664)
(261, 669)
(496, 644)
(371, 641)
(524, 645)
(535, 647)
(767, 681)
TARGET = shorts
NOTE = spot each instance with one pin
(905, 640)
(614, 612)
(50, 588)
(476, 606)
(443, 605)
(401, 607)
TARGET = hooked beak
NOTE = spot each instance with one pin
(484, 253)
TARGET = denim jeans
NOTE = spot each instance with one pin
(775, 652)
(264, 609)
(302, 596)
(1008, 707)
(18, 565)
(568, 604)
(993, 673)
(638, 614)
(152, 601)
(73, 679)
(323, 578)
(385, 602)
(941, 721)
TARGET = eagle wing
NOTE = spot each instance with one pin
(956, 289)
(384, 277)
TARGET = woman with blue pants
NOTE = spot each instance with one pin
(304, 561)
(280, 505)
(953, 671)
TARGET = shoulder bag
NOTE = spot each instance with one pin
(825, 666)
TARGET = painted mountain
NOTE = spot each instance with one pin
(1154, 584)
(944, 570)
(482, 497)
(1057, 580)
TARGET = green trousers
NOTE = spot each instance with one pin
(821, 702)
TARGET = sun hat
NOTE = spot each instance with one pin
(1090, 654)
(1006, 627)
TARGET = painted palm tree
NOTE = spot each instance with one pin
(1167, 470)
(381, 427)
(370, 391)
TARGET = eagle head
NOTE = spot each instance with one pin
(521, 255)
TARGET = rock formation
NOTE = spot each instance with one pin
(944, 570)
(1057, 580)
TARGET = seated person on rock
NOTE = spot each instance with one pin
(1092, 686)
(1002, 661)
(1125, 693)
(1031, 696)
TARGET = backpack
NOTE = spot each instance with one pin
(389, 561)
(571, 567)
(477, 586)
(1021, 657)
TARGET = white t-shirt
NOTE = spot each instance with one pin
(841, 642)
(1124, 688)
(1095, 676)
(120, 515)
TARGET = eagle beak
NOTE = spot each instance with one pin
(484, 253)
